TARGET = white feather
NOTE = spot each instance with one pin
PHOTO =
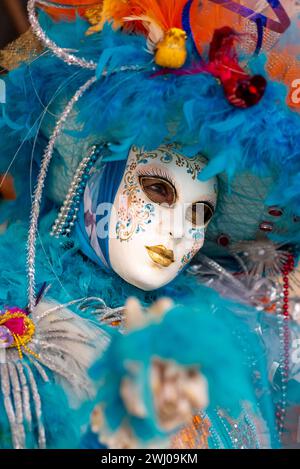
(67, 344)
(155, 32)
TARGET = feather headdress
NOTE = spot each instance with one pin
(161, 22)
(165, 14)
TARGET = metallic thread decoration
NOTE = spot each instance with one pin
(61, 53)
(41, 370)
(196, 269)
(50, 342)
(37, 407)
(69, 211)
(66, 338)
(98, 307)
(59, 332)
(56, 308)
(62, 320)
(51, 351)
(25, 395)
(261, 257)
(17, 397)
(234, 429)
(5, 387)
(35, 211)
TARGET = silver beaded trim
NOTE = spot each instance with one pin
(281, 405)
(70, 59)
(62, 53)
(69, 211)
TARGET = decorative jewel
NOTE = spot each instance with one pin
(241, 89)
(241, 431)
(223, 240)
(17, 329)
(69, 211)
(266, 226)
(261, 257)
(275, 211)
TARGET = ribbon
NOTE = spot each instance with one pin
(269, 23)
(186, 24)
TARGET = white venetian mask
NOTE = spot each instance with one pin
(161, 211)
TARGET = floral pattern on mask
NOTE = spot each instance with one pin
(198, 236)
(134, 212)
(167, 154)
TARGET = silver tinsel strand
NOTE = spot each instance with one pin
(63, 54)
(35, 211)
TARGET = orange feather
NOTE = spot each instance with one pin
(166, 13)
(76, 7)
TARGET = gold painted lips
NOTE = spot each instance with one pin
(161, 255)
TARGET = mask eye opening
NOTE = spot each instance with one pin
(192, 214)
(158, 189)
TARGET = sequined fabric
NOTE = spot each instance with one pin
(23, 49)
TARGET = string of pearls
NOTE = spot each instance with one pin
(284, 333)
(69, 211)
